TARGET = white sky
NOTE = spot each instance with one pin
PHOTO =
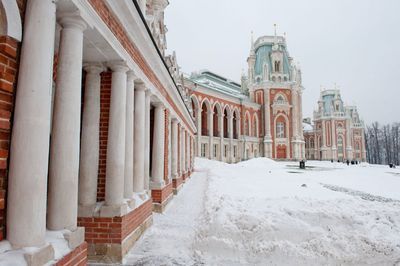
(354, 43)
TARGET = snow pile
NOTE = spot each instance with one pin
(255, 216)
(262, 212)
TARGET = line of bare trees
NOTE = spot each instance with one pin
(383, 143)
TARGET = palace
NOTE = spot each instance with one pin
(260, 117)
(98, 127)
(337, 132)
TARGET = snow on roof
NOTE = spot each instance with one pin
(307, 127)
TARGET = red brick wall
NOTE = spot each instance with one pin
(77, 257)
(160, 195)
(114, 230)
(105, 95)
(9, 61)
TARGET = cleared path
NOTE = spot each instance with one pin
(171, 238)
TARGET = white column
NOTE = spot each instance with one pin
(139, 135)
(230, 135)
(128, 173)
(349, 149)
(29, 152)
(185, 134)
(115, 165)
(333, 140)
(182, 149)
(187, 152)
(65, 136)
(147, 141)
(157, 171)
(199, 128)
(221, 145)
(211, 133)
(174, 148)
(267, 125)
(89, 161)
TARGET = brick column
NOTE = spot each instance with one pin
(62, 210)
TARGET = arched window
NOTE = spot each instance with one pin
(280, 130)
(235, 123)
(204, 120)
(225, 123)
(215, 122)
(311, 143)
(255, 127)
(247, 125)
(280, 100)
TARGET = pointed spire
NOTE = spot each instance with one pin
(252, 50)
(252, 40)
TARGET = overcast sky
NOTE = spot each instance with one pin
(353, 43)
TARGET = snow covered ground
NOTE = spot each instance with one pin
(262, 212)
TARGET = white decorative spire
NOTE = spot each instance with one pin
(252, 50)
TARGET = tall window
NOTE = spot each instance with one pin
(277, 66)
(234, 151)
(280, 130)
(203, 150)
(215, 150)
(340, 148)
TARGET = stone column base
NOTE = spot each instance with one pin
(110, 238)
(40, 257)
(161, 197)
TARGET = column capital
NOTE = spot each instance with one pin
(72, 20)
(118, 66)
(159, 105)
(175, 120)
(93, 67)
(131, 74)
(140, 86)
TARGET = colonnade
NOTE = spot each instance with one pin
(59, 153)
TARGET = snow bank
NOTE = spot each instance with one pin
(257, 212)
(262, 212)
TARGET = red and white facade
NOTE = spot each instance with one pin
(260, 117)
(95, 134)
(337, 132)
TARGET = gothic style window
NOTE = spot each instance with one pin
(280, 100)
(277, 66)
(311, 143)
(280, 130)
